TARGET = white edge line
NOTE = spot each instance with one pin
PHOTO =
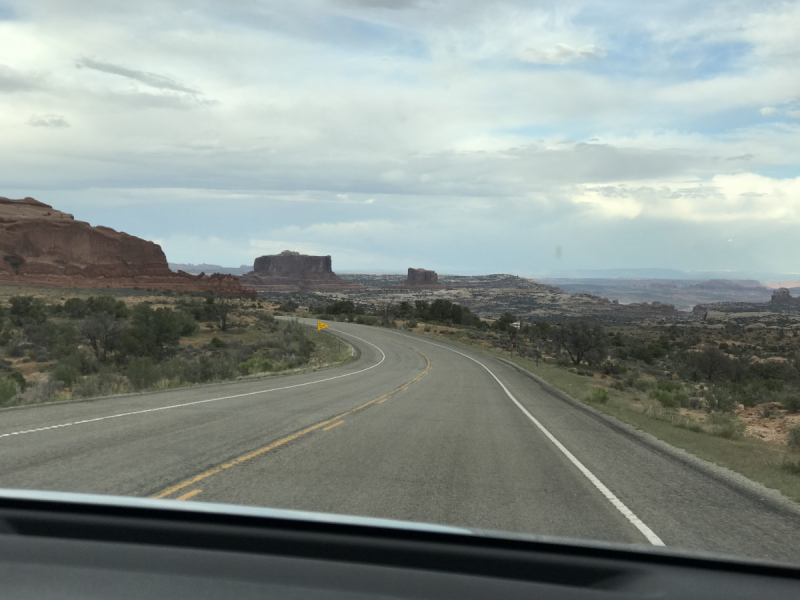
(149, 410)
(618, 504)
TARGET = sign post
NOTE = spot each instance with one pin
(321, 325)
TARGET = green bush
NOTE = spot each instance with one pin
(217, 343)
(8, 389)
(598, 396)
(670, 394)
(19, 379)
(791, 402)
(793, 436)
(725, 425)
(101, 384)
(66, 372)
(143, 373)
(257, 364)
(791, 466)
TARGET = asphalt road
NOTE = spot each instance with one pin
(414, 430)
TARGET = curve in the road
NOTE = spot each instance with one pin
(195, 402)
(609, 495)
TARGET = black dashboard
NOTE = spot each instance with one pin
(76, 546)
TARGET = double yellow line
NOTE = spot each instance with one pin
(238, 461)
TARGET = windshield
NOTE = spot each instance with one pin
(515, 266)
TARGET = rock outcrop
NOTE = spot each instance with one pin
(41, 246)
(421, 279)
(782, 296)
(292, 271)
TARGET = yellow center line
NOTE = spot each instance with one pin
(188, 495)
(237, 461)
(332, 426)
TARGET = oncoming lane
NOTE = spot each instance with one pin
(137, 445)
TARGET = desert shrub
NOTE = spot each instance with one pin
(643, 385)
(670, 394)
(720, 399)
(670, 386)
(8, 389)
(598, 396)
(106, 304)
(411, 323)
(27, 309)
(258, 364)
(648, 353)
(38, 392)
(19, 379)
(669, 399)
(791, 402)
(791, 466)
(217, 343)
(143, 373)
(103, 383)
(561, 361)
(765, 411)
(286, 364)
(793, 437)
(618, 385)
(725, 425)
(151, 332)
(75, 308)
(66, 372)
(368, 320)
(290, 306)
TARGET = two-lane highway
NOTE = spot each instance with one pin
(415, 430)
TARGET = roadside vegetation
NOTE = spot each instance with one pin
(76, 347)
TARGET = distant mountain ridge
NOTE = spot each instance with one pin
(207, 269)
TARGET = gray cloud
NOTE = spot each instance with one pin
(12, 80)
(55, 121)
(152, 79)
(747, 156)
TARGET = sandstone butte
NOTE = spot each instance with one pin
(41, 246)
(291, 271)
(421, 279)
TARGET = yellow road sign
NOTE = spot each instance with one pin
(321, 325)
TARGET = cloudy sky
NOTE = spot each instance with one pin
(469, 137)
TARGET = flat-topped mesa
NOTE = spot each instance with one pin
(782, 296)
(421, 279)
(292, 271)
(42, 246)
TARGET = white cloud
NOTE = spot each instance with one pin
(744, 198)
(561, 54)
(768, 111)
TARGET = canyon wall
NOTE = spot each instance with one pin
(42, 246)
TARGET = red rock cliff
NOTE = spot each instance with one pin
(421, 278)
(42, 246)
(291, 271)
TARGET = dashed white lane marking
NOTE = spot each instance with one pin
(150, 410)
(616, 502)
